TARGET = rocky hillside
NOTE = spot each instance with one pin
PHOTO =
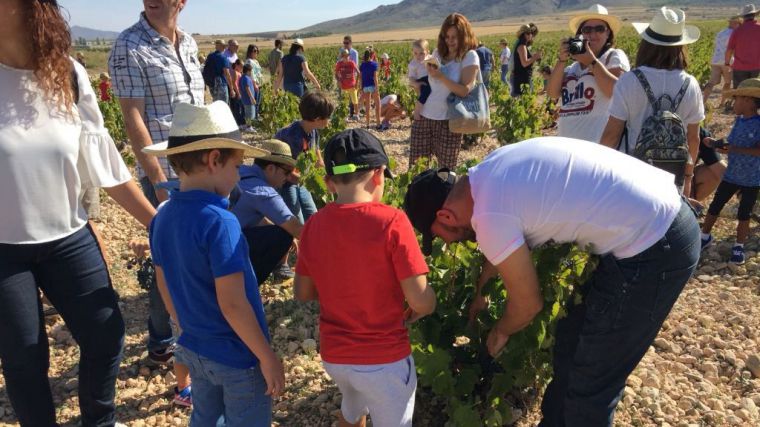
(423, 13)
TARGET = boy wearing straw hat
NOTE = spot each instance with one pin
(742, 175)
(204, 274)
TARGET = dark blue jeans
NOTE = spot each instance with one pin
(297, 88)
(73, 275)
(266, 247)
(602, 340)
(159, 326)
(299, 200)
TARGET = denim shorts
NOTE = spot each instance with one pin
(369, 89)
(384, 390)
(220, 390)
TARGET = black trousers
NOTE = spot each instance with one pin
(267, 245)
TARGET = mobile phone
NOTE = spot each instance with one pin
(720, 143)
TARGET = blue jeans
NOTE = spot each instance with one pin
(602, 339)
(297, 88)
(73, 275)
(257, 97)
(226, 396)
(299, 200)
(267, 244)
(220, 91)
(159, 327)
(504, 72)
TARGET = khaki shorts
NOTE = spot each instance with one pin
(351, 94)
(716, 72)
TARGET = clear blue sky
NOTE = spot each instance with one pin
(221, 16)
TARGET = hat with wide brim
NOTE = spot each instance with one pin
(298, 42)
(208, 127)
(748, 87)
(668, 28)
(527, 28)
(279, 152)
(599, 12)
(748, 9)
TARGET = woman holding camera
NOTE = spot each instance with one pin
(584, 89)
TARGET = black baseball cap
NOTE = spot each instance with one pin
(354, 150)
(424, 197)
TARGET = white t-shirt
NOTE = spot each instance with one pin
(46, 158)
(504, 56)
(630, 103)
(568, 190)
(721, 43)
(416, 70)
(583, 106)
(436, 106)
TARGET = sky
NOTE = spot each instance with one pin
(220, 16)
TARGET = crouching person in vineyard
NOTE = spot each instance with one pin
(566, 190)
(360, 259)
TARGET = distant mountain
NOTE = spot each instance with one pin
(92, 34)
(425, 13)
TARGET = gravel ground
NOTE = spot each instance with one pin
(703, 369)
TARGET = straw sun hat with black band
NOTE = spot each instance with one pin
(206, 127)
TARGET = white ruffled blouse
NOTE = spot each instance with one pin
(47, 157)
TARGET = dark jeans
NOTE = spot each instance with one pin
(299, 200)
(297, 88)
(266, 247)
(602, 339)
(72, 273)
(159, 326)
(236, 106)
(740, 76)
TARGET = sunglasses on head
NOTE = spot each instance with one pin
(588, 29)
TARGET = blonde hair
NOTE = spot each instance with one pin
(421, 44)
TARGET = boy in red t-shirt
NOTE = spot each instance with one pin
(346, 72)
(360, 259)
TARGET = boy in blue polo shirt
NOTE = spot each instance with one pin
(205, 277)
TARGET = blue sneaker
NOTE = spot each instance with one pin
(737, 255)
(707, 242)
(184, 397)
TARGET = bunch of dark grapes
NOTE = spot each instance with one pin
(146, 274)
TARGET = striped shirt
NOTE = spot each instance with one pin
(144, 64)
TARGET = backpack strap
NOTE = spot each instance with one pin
(681, 93)
(647, 89)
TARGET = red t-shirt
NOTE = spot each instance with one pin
(104, 86)
(745, 42)
(346, 72)
(356, 255)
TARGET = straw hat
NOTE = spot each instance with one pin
(280, 152)
(748, 9)
(219, 41)
(503, 41)
(668, 28)
(599, 12)
(385, 56)
(298, 42)
(207, 127)
(527, 28)
(748, 87)
(105, 76)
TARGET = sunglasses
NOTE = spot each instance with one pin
(346, 42)
(285, 169)
(588, 29)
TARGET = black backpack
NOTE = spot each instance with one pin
(208, 71)
(662, 141)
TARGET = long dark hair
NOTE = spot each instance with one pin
(51, 43)
(294, 48)
(251, 48)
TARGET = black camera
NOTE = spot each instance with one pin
(576, 46)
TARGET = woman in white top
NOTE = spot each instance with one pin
(53, 144)
(584, 88)
(455, 72)
(662, 59)
(251, 58)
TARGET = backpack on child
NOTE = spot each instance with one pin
(662, 140)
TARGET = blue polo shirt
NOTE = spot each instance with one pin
(258, 199)
(744, 169)
(194, 239)
(297, 138)
(218, 62)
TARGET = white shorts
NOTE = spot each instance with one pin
(385, 391)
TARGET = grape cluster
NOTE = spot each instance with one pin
(146, 274)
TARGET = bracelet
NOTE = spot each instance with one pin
(594, 62)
